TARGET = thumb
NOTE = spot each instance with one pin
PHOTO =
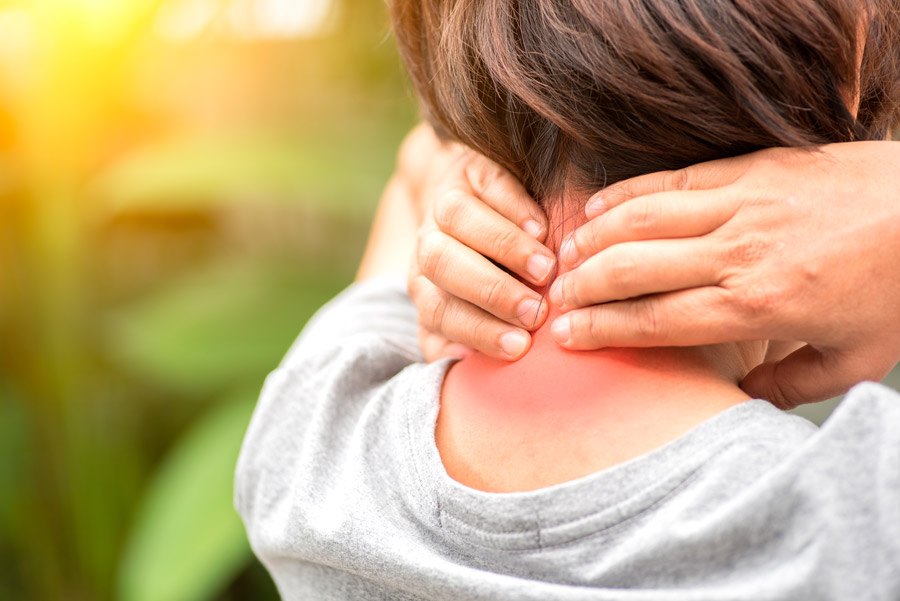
(703, 176)
(805, 376)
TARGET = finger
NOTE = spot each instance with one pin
(435, 347)
(682, 318)
(635, 269)
(664, 215)
(480, 227)
(703, 176)
(463, 272)
(501, 191)
(808, 375)
(468, 325)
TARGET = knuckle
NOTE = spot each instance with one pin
(748, 250)
(479, 333)
(588, 239)
(620, 277)
(811, 274)
(414, 287)
(570, 291)
(431, 252)
(434, 310)
(480, 173)
(591, 323)
(492, 294)
(786, 394)
(621, 271)
(759, 303)
(506, 245)
(642, 217)
(680, 179)
(647, 321)
(448, 209)
(618, 193)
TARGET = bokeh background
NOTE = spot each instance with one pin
(182, 183)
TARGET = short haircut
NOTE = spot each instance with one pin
(578, 94)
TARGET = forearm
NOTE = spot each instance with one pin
(392, 238)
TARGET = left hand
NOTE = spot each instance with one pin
(476, 218)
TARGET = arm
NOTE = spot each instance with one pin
(392, 238)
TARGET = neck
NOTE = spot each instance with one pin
(556, 415)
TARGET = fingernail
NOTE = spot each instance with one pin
(533, 228)
(567, 252)
(594, 207)
(561, 330)
(539, 267)
(528, 311)
(556, 295)
(513, 343)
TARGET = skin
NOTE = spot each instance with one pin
(474, 212)
(556, 414)
(783, 244)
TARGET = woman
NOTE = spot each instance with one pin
(610, 474)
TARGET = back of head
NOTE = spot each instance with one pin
(572, 95)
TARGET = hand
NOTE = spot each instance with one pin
(475, 212)
(782, 244)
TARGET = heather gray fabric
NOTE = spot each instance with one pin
(344, 495)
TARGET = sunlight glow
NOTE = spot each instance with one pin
(16, 32)
(181, 20)
(279, 18)
(185, 19)
(17, 42)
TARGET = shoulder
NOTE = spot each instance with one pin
(843, 484)
(346, 360)
(355, 343)
(862, 436)
(863, 430)
(856, 451)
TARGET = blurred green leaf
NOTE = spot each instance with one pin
(14, 442)
(334, 170)
(228, 325)
(187, 542)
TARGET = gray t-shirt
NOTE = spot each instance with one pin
(344, 495)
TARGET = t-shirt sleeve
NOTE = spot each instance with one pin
(861, 440)
(311, 405)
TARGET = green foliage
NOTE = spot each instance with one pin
(218, 327)
(171, 214)
(187, 542)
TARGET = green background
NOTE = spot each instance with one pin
(172, 210)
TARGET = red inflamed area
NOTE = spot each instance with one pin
(557, 415)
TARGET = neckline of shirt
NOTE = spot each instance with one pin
(542, 518)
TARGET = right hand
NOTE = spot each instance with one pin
(783, 244)
(476, 212)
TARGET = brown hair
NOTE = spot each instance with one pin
(584, 93)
